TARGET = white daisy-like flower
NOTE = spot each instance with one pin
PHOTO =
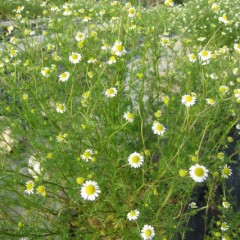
(223, 89)
(193, 205)
(226, 171)
(13, 52)
(147, 232)
(60, 107)
(80, 36)
(92, 60)
(205, 55)
(90, 190)
(198, 173)
(86, 19)
(67, 12)
(135, 160)
(87, 155)
(105, 46)
(128, 116)
(226, 204)
(112, 60)
(30, 187)
(169, 3)
(75, 57)
(63, 77)
(224, 19)
(236, 47)
(210, 101)
(131, 12)
(118, 49)
(224, 226)
(133, 215)
(215, 7)
(158, 128)
(111, 92)
(192, 57)
(188, 100)
(10, 29)
(165, 41)
(45, 71)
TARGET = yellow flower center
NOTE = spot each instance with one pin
(226, 171)
(165, 41)
(129, 116)
(148, 233)
(204, 53)
(119, 48)
(159, 127)
(110, 91)
(87, 154)
(188, 98)
(30, 186)
(132, 214)
(136, 159)
(63, 75)
(131, 11)
(199, 172)
(41, 189)
(90, 189)
(224, 17)
(60, 107)
(74, 56)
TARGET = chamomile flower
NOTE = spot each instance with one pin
(165, 41)
(90, 190)
(226, 171)
(67, 12)
(193, 205)
(128, 117)
(236, 47)
(198, 173)
(131, 12)
(133, 215)
(61, 137)
(224, 226)
(63, 77)
(118, 49)
(158, 128)
(135, 160)
(215, 7)
(147, 232)
(80, 180)
(192, 57)
(41, 190)
(60, 107)
(169, 3)
(112, 60)
(223, 89)
(45, 71)
(188, 100)
(92, 60)
(30, 187)
(80, 36)
(75, 58)
(111, 92)
(10, 29)
(210, 101)
(225, 204)
(205, 55)
(224, 19)
(87, 155)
